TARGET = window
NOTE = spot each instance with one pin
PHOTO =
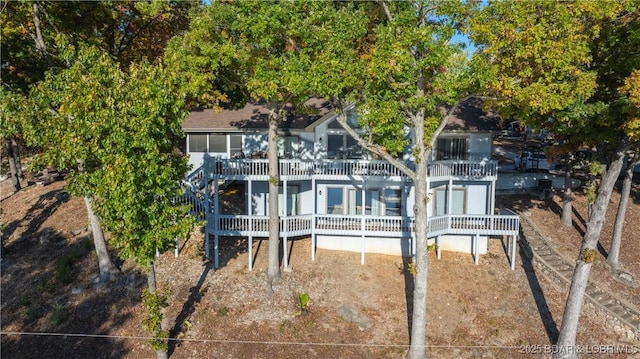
(292, 201)
(288, 146)
(393, 202)
(343, 146)
(372, 202)
(197, 142)
(457, 201)
(335, 203)
(217, 143)
(235, 146)
(452, 149)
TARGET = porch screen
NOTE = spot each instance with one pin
(197, 142)
(217, 143)
(235, 145)
(452, 149)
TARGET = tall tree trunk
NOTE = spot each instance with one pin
(568, 330)
(151, 284)
(16, 155)
(105, 265)
(37, 37)
(273, 272)
(419, 316)
(566, 197)
(13, 166)
(614, 251)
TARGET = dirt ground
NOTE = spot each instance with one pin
(51, 307)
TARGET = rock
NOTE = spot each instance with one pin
(353, 315)
(76, 232)
(77, 291)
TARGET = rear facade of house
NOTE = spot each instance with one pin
(335, 192)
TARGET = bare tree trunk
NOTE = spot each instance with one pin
(419, 316)
(567, 337)
(151, 284)
(39, 40)
(616, 241)
(566, 198)
(273, 272)
(16, 155)
(105, 265)
(13, 166)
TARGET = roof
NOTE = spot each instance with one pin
(470, 117)
(254, 115)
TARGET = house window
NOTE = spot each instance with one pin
(343, 146)
(441, 201)
(335, 201)
(372, 202)
(217, 143)
(197, 142)
(235, 146)
(288, 146)
(292, 201)
(393, 202)
(452, 149)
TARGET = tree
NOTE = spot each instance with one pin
(256, 46)
(406, 78)
(547, 65)
(122, 128)
(130, 31)
(613, 257)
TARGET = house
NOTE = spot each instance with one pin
(334, 191)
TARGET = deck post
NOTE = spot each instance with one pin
(177, 250)
(313, 218)
(363, 223)
(216, 213)
(438, 250)
(285, 227)
(250, 251)
(207, 210)
(513, 252)
(476, 253)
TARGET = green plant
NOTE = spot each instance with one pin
(153, 304)
(58, 315)
(222, 312)
(411, 267)
(63, 271)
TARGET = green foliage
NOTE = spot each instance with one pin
(58, 315)
(153, 304)
(304, 301)
(63, 271)
(222, 312)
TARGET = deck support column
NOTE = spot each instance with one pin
(449, 201)
(285, 226)
(363, 224)
(513, 252)
(207, 210)
(476, 253)
(438, 251)
(250, 212)
(313, 218)
(216, 212)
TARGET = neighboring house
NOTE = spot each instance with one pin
(336, 193)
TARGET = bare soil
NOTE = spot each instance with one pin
(51, 307)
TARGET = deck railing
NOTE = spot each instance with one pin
(357, 225)
(302, 169)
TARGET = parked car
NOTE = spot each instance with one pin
(533, 161)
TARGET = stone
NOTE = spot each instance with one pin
(76, 291)
(351, 314)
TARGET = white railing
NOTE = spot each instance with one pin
(385, 226)
(306, 169)
(463, 169)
